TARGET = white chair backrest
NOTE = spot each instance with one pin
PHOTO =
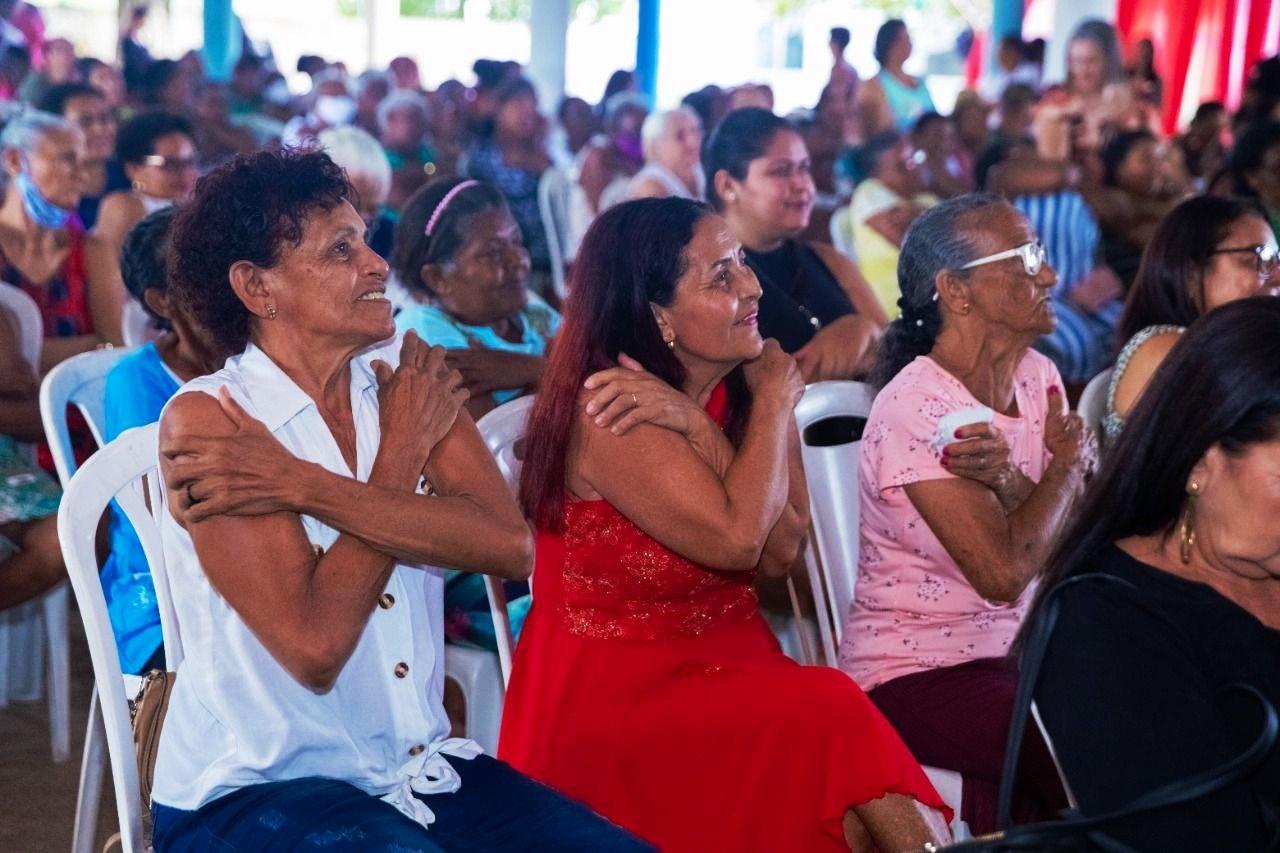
(841, 227)
(1092, 407)
(30, 325)
(830, 417)
(80, 380)
(115, 471)
(136, 325)
(502, 429)
(553, 206)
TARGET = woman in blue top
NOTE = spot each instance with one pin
(137, 389)
(459, 254)
(893, 99)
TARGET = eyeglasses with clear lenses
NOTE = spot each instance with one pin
(173, 165)
(1266, 257)
(1032, 254)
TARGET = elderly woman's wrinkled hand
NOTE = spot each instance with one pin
(629, 395)
(246, 473)
(980, 453)
(485, 370)
(1067, 438)
(418, 404)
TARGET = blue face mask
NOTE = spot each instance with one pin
(42, 211)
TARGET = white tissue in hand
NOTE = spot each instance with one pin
(952, 421)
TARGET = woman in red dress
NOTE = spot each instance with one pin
(646, 682)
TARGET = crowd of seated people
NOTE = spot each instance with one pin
(335, 286)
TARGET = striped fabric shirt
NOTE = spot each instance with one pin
(1081, 346)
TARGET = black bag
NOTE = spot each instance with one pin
(1076, 831)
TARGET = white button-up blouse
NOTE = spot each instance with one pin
(236, 716)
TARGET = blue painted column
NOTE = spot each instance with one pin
(647, 49)
(222, 40)
(1006, 20)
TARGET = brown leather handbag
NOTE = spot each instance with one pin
(146, 713)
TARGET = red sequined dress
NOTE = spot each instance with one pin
(650, 688)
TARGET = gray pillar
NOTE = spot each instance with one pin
(548, 32)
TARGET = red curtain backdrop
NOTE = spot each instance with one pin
(1227, 36)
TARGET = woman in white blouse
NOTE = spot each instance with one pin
(311, 487)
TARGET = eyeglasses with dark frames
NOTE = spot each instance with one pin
(1266, 257)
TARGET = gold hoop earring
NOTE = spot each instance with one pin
(1187, 524)
(138, 187)
(271, 312)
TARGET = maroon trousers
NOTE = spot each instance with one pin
(957, 718)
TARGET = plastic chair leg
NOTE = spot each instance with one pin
(55, 623)
(92, 766)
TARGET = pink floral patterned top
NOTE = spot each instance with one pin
(913, 609)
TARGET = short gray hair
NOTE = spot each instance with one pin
(358, 154)
(25, 130)
(402, 99)
(656, 125)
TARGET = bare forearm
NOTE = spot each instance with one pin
(453, 531)
(755, 480)
(21, 420)
(58, 350)
(1034, 525)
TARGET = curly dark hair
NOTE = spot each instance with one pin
(413, 248)
(245, 210)
(142, 259)
(137, 137)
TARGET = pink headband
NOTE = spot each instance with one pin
(444, 202)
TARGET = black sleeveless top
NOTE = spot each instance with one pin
(800, 294)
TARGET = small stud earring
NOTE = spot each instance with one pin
(671, 344)
(271, 312)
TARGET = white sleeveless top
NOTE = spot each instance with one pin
(672, 184)
(237, 717)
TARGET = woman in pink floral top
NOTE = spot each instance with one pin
(970, 465)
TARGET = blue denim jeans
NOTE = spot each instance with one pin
(496, 809)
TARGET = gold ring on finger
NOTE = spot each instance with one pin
(635, 401)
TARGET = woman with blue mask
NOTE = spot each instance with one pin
(43, 247)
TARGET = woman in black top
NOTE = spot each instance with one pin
(1138, 685)
(815, 302)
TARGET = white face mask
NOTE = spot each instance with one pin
(335, 109)
(276, 93)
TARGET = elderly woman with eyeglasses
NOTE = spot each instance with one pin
(158, 153)
(970, 466)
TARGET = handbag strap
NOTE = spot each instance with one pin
(1171, 794)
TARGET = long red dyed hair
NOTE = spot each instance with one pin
(631, 256)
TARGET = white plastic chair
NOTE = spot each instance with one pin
(1092, 407)
(830, 417)
(135, 324)
(80, 381)
(115, 471)
(841, 228)
(502, 430)
(483, 688)
(553, 206)
(22, 628)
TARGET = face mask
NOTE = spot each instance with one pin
(276, 93)
(335, 109)
(630, 146)
(43, 212)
